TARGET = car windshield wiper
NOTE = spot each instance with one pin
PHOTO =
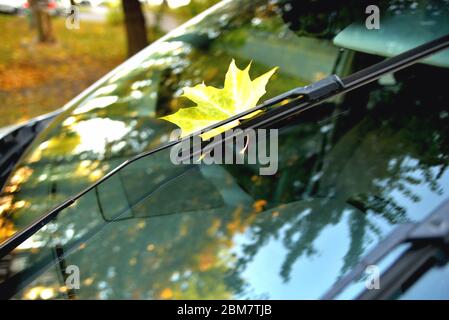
(302, 98)
(429, 241)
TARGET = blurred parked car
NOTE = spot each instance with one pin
(352, 169)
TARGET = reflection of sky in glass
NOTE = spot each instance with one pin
(432, 286)
(309, 278)
(358, 286)
(263, 272)
(428, 199)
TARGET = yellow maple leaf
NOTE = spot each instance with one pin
(213, 105)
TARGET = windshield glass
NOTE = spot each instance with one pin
(348, 170)
(223, 231)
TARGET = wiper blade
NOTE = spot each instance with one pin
(426, 238)
(302, 98)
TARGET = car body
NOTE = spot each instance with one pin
(11, 6)
(351, 169)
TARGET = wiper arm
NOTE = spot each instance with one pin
(426, 238)
(302, 98)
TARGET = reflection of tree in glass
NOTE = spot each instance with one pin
(396, 144)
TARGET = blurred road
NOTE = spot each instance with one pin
(95, 16)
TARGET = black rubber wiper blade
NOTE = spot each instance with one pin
(303, 98)
(425, 237)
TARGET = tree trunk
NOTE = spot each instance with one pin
(135, 26)
(49, 36)
(42, 20)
